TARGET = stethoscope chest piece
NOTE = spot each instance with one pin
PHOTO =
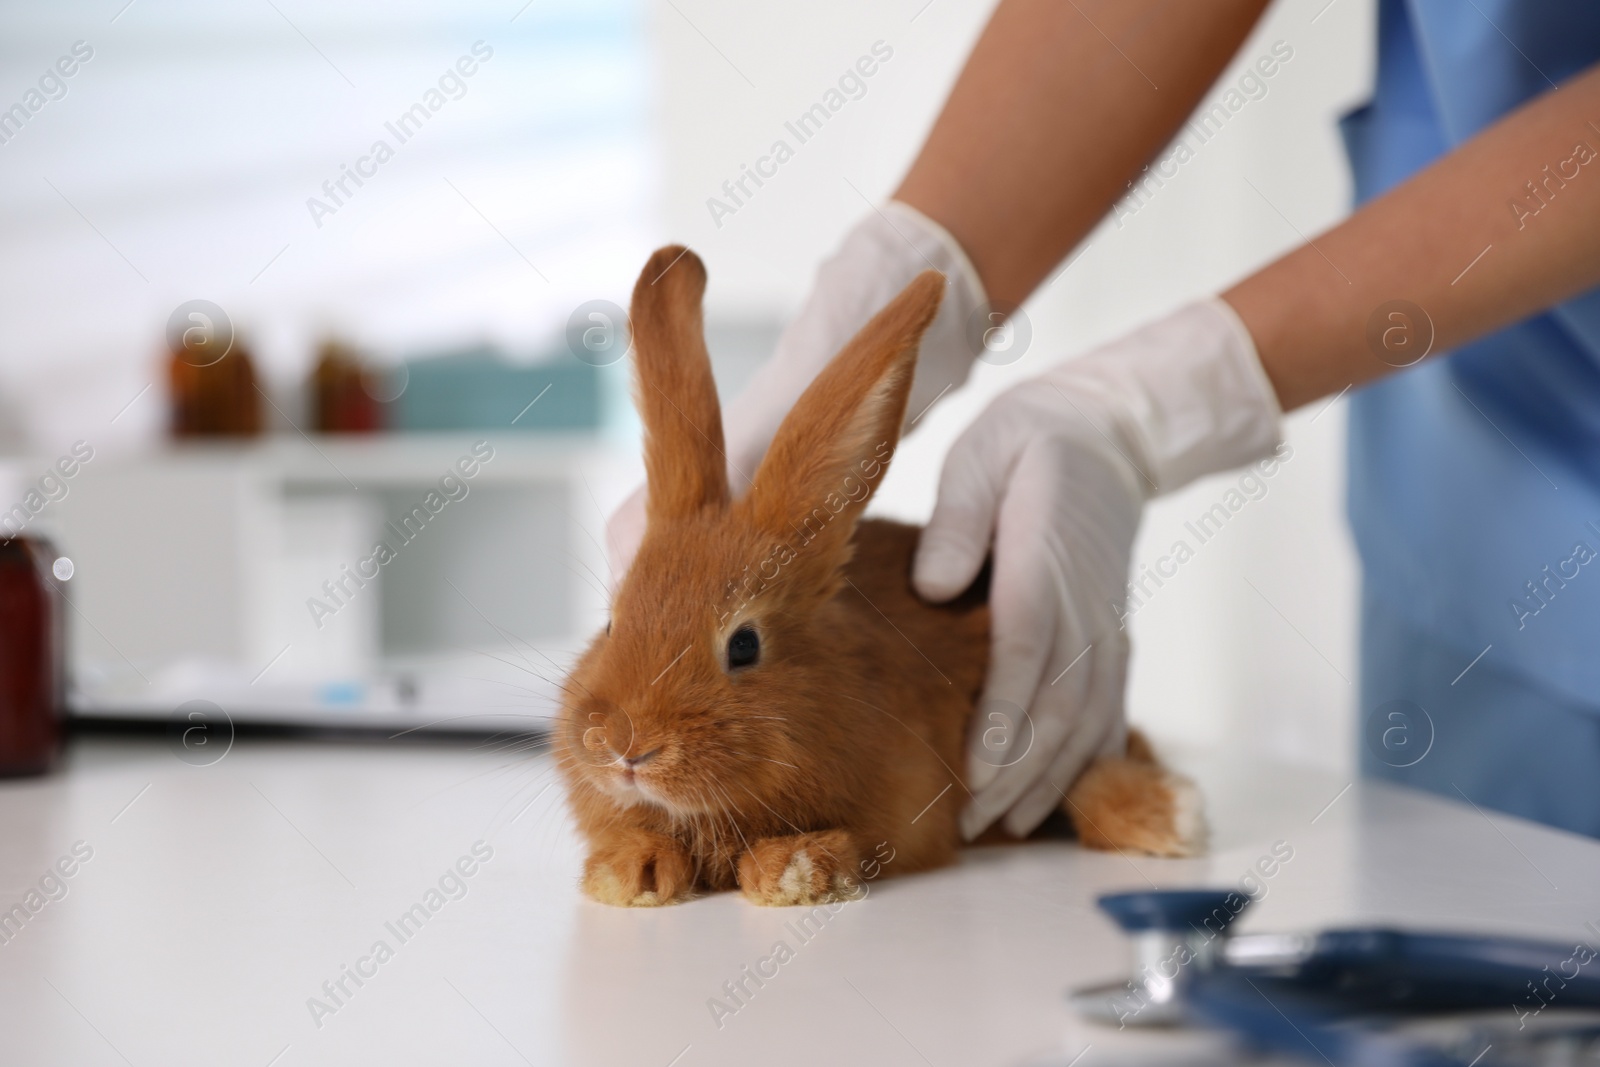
(1176, 936)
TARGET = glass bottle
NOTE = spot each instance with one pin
(31, 658)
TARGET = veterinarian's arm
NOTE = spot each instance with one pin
(1503, 227)
(1048, 477)
(1059, 106)
(1062, 102)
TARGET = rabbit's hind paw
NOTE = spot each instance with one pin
(1133, 805)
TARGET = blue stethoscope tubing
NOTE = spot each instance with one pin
(1332, 1001)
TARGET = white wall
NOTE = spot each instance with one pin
(1269, 668)
(181, 161)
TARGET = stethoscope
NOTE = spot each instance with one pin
(1349, 996)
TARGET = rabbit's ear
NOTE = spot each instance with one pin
(685, 465)
(834, 446)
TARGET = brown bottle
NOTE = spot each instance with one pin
(214, 395)
(340, 398)
(31, 658)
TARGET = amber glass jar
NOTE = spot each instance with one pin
(31, 658)
(340, 400)
(214, 396)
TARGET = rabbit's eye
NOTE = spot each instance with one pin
(744, 647)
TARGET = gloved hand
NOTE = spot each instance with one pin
(1054, 475)
(877, 259)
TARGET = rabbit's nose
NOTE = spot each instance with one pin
(631, 762)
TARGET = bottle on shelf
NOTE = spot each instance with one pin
(214, 394)
(341, 395)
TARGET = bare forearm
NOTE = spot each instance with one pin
(1309, 312)
(1059, 105)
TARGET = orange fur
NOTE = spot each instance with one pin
(846, 739)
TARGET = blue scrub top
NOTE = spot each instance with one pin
(1475, 479)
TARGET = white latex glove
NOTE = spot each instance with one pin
(876, 260)
(1054, 475)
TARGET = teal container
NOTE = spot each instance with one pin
(479, 389)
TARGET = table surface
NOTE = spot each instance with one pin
(215, 902)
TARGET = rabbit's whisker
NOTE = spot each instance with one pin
(718, 850)
(592, 583)
(735, 824)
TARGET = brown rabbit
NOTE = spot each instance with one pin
(772, 707)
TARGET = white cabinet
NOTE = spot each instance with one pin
(394, 581)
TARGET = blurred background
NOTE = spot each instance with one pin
(456, 294)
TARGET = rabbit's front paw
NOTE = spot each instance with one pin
(815, 868)
(639, 870)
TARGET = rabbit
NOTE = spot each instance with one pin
(771, 707)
